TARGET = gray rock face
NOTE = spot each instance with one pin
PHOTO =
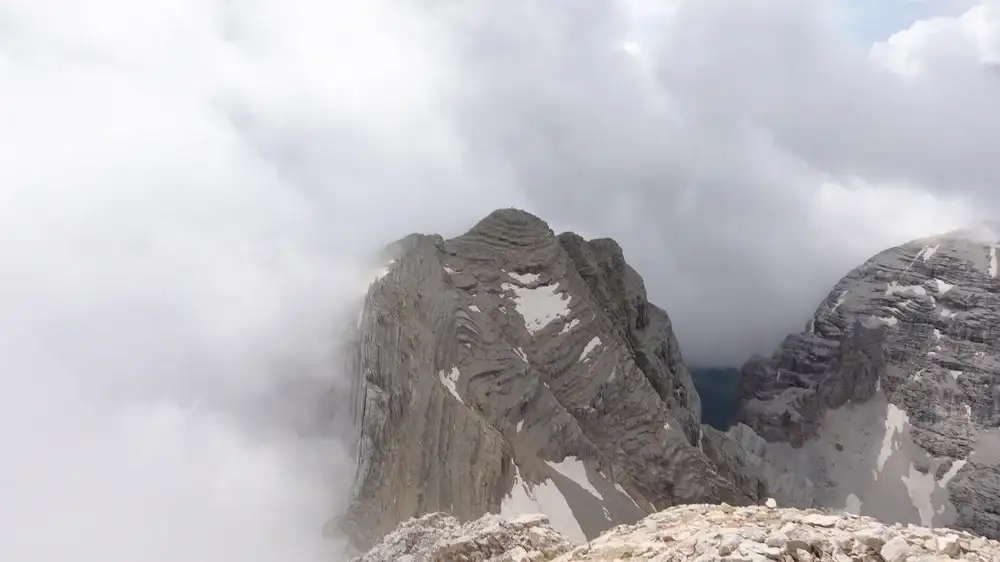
(510, 370)
(889, 400)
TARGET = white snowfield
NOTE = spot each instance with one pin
(943, 287)
(539, 306)
(449, 381)
(572, 468)
(526, 499)
(547, 498)
(593, 344)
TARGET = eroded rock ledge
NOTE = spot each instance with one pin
(691, 532)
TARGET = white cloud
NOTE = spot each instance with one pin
(969, 40)
(186, 186)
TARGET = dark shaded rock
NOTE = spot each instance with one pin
(719, 389)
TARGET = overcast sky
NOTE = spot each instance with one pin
(185, 186)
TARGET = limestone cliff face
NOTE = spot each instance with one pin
(889, 400)
(511, 370)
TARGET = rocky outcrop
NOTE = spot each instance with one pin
(440, 537)
(510, 370)
(889, 399)
(691, 532)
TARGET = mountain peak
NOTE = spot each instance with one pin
(890, 399)
(510, 370)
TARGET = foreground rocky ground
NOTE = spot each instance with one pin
(689, 532)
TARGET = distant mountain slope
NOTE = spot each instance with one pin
(719, 390)
(889, 400)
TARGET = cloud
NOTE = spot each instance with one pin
(188, 188)
(712, 153)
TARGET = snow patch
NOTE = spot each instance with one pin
(573, 468)
(888, 320)
(570, 325)
(929, 252)
(853, 504)
(993, 261)
(895, 421)
(840, 300)
(905, 290)
(955, 374)
(538, 306)
(449, 270)
(474, 308)
(937, 334)
(449, 381)
(943, 287)
(591, 345)
(920, 487)
(520, 425)
(948, 313)
(520, 353)
(524, 278)
(624, 493)
(952, 472)
(542, 498)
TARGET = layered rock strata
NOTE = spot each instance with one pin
(510, 370)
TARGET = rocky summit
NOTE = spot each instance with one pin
(889, 400)
(514, 371)
(700, 533)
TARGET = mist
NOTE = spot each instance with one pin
(191, 191)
